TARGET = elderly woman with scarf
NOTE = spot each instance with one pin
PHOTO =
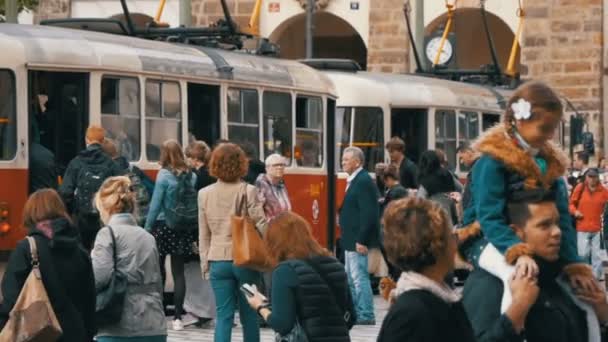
(271, 187)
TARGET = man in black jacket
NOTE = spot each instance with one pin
(541, 299)
(360, 227)
(83, 177)
(407, 168)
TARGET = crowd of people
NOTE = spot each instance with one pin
(530, 234)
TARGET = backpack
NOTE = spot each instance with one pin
(32, 317)
(142, 196)
(183, 217)
(90, 178)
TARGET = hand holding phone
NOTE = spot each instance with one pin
(251, 290)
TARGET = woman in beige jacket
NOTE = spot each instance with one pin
(217, 203)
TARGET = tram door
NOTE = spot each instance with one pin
(59, 112)
(411, 125)
(204, 112)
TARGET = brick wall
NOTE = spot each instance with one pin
(52, 9)
(205, 12)
(562, 45)
(388, 47)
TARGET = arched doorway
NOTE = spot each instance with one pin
(333, 38)
(472, 49)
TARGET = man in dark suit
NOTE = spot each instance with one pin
(407, 169)
(360, 224)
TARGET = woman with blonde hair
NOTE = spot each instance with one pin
(143, 317)
(64, 264)
(217, 203)
(170, 241)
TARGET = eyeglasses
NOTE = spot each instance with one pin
(278, 165)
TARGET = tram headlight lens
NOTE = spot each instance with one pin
(5, 227)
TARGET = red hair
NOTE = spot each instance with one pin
(289, 237)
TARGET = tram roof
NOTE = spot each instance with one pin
(405, 90)
(69, 48)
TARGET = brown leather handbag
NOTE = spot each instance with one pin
(32, 318)
(248, 247)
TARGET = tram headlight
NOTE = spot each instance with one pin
(4, 212)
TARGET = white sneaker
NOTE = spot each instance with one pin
(178, 325)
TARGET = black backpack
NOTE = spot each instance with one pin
(142, 196)
(183, 217)
(90, 178)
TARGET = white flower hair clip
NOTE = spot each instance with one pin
(522, 109)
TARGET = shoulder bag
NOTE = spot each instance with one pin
(110, 300)
(248, 248)
(32, 318)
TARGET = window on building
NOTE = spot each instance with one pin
(163, 115)
(120, 114)
(368, 134)
(244, 119)
(445, 134)
(277, 124)
(8, 116)
(309, 131)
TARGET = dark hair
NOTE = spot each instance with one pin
(228, 163)
(395, 144)
(417, 232)
(583, 156)
(540, 96)
(464, 147)
(518, 210)
(430, 162)
(198, 150)
(391, 171)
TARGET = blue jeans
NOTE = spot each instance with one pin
(226, 279)
(360, 286)
(588, 245)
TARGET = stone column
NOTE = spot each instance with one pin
(52, 9)
(388, 48)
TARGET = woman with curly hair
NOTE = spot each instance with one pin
(217, 203)
(420, 242)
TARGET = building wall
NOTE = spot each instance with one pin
(52, 9)
(562, 45)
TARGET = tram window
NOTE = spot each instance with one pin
(244, 119)
(368, 134)
(468, 130)
(120, 114)
(343, 120)
(489, 120)
(8, 116)
(445, 134)
(309, 131)
(277, 124)
(163, 116)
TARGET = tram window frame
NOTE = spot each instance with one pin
(133, 148)
(344, 118)
(470, 118)
(374, 153)
(268, 135)
(243, 119)
(5, 139)
(305, 123)
(159, 115)
(443, 119)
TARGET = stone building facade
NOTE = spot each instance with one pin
(562, 40)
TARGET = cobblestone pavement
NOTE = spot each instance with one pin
(358, 333)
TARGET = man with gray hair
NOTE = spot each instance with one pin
(360, 225)
(271, 187)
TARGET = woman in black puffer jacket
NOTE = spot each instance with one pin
(65, 266)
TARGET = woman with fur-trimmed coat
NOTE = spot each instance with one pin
(518, 154)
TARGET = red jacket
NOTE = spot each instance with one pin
(591, 205)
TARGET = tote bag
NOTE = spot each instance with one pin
(32, 318)
(248, 248)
